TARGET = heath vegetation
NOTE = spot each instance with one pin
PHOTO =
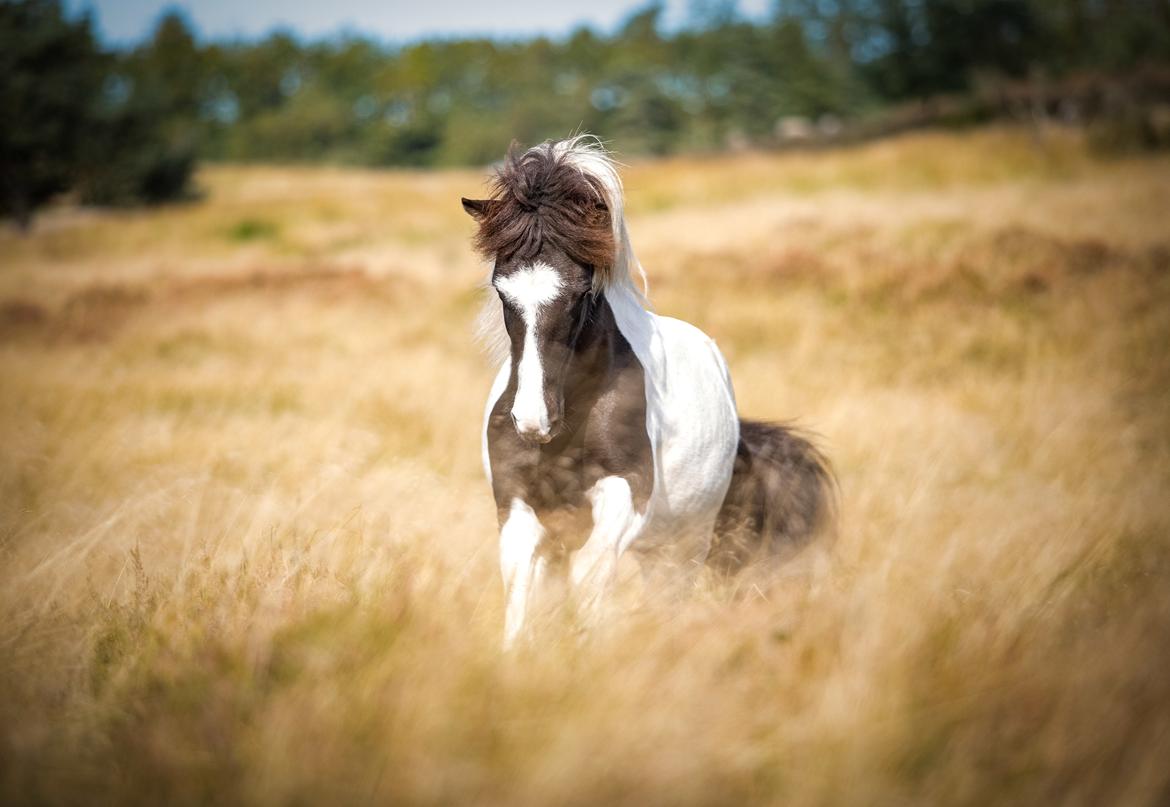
(247, 553)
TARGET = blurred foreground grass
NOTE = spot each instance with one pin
(247, 553)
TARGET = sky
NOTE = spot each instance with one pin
(126, 22)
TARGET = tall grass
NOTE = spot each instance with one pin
(247, 553)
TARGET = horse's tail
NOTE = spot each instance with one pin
(782, 495)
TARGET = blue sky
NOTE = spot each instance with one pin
(123, 22)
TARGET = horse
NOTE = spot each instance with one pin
(607, 422)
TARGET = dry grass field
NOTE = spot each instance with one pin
(247, 553)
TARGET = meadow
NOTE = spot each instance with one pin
(248, 555)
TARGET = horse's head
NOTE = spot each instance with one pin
(546, 299)
(548, 232)
(546, 303)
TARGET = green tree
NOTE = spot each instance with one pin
(76, 118)
(144, 136)
(50, 73)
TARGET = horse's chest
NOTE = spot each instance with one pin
(549, 477)
(558, 476)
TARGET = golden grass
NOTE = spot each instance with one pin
(247, 553)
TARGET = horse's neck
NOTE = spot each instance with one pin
(638, 327)
(594, 354)
(618, 324)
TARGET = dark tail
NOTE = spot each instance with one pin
(782, 496)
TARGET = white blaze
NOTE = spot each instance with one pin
(530, 290)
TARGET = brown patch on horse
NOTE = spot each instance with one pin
(539, 196)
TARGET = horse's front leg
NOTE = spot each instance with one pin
(616, 523)
(521, 568)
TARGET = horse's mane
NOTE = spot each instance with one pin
(567, 193)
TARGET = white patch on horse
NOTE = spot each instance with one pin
(519, 539)
(616, 525)
(529, 290)
(498, 387)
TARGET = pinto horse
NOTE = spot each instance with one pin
(606, 421)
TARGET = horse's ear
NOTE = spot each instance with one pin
(478, 208)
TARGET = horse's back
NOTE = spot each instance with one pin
(690, 417)
(698, 424)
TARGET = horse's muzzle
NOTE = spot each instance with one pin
(539, 433)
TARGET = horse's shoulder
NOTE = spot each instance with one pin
(691, 346)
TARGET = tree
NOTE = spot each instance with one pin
(80, 119)
(50, 72)
(144, 134)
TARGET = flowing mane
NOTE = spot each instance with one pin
(566, 192)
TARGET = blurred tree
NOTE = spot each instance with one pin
(143, 140)
(723, 78)
(50, 72)
(78, 119)
(171, 62)
(965, 36)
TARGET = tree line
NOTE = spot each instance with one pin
(127, 125)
